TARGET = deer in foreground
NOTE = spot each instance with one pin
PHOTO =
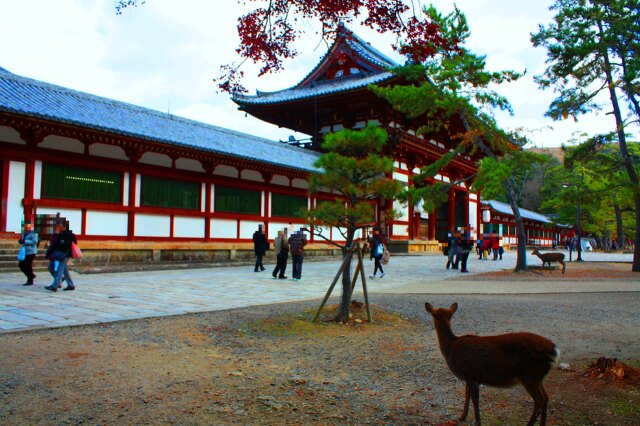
(550, 257)
(502, 361)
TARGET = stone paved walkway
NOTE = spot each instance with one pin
(130, 295)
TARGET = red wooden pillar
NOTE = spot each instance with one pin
(207, 211)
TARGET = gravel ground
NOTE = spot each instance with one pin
(270, 365)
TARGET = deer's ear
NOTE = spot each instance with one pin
(454, 308)
(428, 307)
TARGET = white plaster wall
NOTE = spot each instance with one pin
(473, 215)
(125, 189)
(17, 173)
(151, 225)
(336, 235)
(107, 223)
(228, 171)
(400, 177)
(300, 183)
(274, 227)
(74, 216)
(108, 151)
(401, 230)
(189, 164)
(37, 180)
(280, 180)
(251, 175)
(138, 179)
(224, 228)
(402, 210)
(203, 197)
(156, 159)
(248, 227)
(9, 134)
(62, 143)
(473, 196)
(188, 227)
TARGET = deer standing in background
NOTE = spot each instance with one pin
(550, 257)
(501, 361)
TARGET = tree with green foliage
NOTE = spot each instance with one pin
(592, 52)
(452, 93)
(356, 171)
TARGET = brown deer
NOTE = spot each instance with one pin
(501, 361)
(550, 257)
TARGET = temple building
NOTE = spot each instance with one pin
(132, 181)
(335, 95)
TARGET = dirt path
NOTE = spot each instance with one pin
(270, 365)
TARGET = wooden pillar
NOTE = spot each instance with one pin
(207, 211)
(466, 208)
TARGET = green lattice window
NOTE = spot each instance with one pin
(236, 200)
(158, 192)
(288, 205)
(75, 183)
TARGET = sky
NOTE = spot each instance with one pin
(164, 55)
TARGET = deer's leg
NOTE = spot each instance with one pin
(563, 266)
(474, 390)
(540, 401)
(465, 408)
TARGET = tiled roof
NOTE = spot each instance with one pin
(303, 90)
(33, 98)
(506, 209)
(324, 88)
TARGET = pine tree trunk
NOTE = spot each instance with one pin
(345, 299)
(619, 227)
(626, 159)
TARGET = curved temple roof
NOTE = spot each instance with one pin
(33, 98)
(373, 66)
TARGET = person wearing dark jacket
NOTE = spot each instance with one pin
(378, 244)
(296, 244)
(59, 253)
(260, 247)
(281, 246)
(465, 245)
(452, 247)
(30, 243)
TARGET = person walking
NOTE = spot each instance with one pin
(59, 253)
(495, 246)
(29, 242)
(464, 248)
(260, 247)
(281, 246)
(378, 244)
(452, 248)
(297, 241)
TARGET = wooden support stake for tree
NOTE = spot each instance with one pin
(333, 284)
(364, 283)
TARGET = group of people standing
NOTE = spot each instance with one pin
(283, 245)
(58, 253)
(459, 247)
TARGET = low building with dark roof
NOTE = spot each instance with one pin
(121, 173)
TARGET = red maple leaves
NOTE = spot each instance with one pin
(267, 34)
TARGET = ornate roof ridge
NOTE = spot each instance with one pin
(360, 47)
